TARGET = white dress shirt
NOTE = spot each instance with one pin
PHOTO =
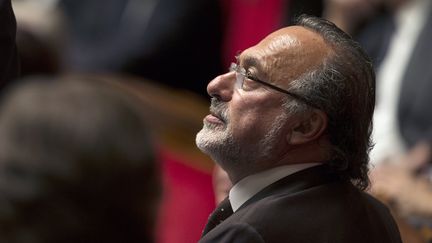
(251, 185)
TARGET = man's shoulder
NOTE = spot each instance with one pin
(318, 209)
(336, 199)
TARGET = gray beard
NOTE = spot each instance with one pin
(218, 142)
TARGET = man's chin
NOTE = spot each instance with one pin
(208, 140)
(201, 140)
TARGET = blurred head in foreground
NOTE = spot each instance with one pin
(76, 164)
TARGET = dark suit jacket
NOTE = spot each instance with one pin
(312, 205)
(414, 111)
(8, 54)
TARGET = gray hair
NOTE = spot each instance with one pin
(343, 86)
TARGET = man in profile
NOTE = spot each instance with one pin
(291, 125)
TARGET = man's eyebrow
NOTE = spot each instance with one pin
(247, 61)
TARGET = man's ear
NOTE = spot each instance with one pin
(309, 127)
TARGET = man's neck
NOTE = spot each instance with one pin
(315, 152)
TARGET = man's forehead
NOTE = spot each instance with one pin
(296, 47)
(283, 39)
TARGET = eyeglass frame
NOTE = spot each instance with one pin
(239, 70)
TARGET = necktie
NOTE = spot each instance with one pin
(222, 212)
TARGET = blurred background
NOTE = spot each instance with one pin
(170, 49)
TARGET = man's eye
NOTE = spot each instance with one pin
(250, 84)
(250, 74)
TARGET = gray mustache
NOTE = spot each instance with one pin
(219, 108)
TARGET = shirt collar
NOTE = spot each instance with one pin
(251, 185)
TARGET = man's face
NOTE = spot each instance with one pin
(247, 127)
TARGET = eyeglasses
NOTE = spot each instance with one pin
(242, 75)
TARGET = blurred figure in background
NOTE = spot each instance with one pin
(40, 34)
(76, 164)
(399, 42)
(9, 67)
(397, 36)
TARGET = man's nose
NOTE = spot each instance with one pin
(222, 87)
